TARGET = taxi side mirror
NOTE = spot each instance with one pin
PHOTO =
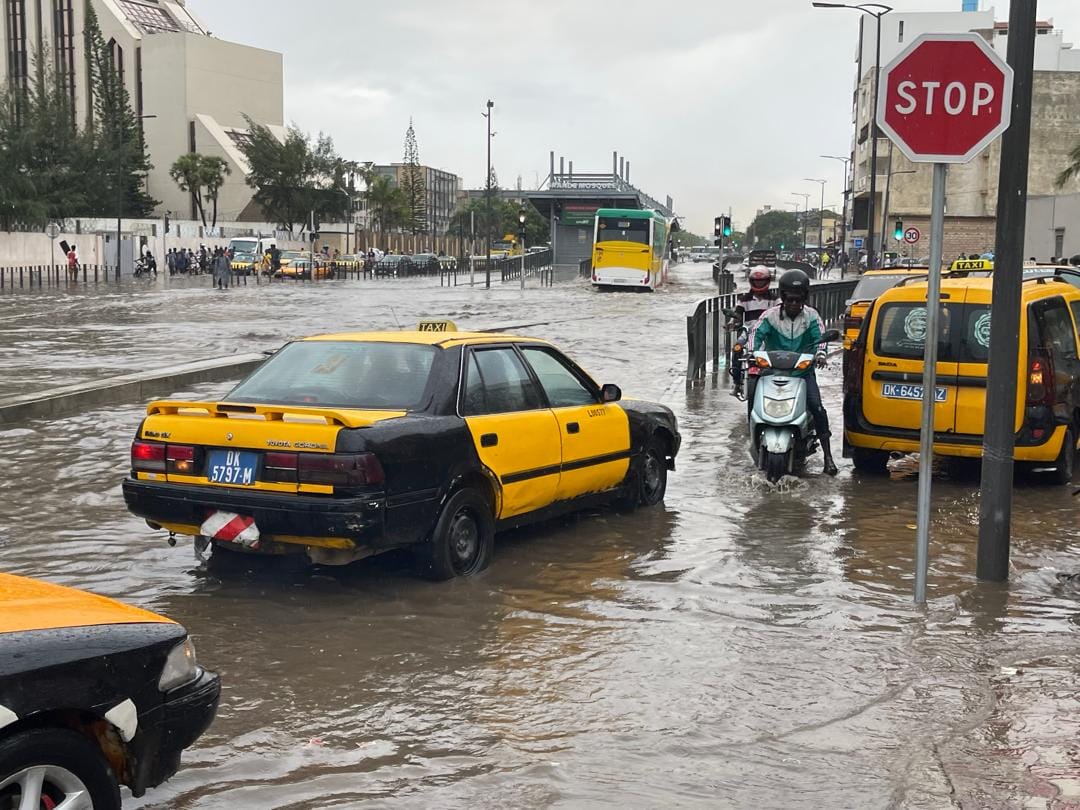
(830, 336)
(610, 393)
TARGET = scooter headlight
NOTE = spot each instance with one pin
(779, 408)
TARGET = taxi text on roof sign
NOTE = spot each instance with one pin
(972, 264)
(437, 326)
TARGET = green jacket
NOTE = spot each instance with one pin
(776, 332)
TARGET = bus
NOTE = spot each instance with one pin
(630, 249)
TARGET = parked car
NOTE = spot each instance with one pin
(94, 694)
(393, 265)
(425, 264)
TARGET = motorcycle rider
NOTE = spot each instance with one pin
(749, 307)
(795, 327)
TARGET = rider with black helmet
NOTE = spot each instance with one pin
(750, 306)
(795, 327)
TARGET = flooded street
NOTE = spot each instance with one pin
(739, 646)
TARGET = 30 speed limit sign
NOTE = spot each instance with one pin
(912, 235)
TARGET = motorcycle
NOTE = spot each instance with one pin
(782, 432)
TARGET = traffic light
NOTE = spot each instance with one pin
(718, 227)
(727, 226)
(898, 231)
(781, 245)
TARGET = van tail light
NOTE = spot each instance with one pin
(1040, 388)
(852, 323)
(147, 456)
(180, 459)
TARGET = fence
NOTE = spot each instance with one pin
(509, 268)
(55, 276)
(585, 268)
(707, 339)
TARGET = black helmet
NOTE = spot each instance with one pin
(795, 283)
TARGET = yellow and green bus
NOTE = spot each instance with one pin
(630, 249)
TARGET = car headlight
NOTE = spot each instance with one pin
(779, 408)
(180, 666)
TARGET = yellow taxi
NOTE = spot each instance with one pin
(296, 264)
(872, 284)
(883, 392)
(94, 694)
(342, 446)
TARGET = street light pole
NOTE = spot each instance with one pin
(821, 214)
(487, 196)
(847, 193)
(881, 11)
(806, 209)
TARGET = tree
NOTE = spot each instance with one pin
(1071, 170)
(413, 186)
(295, 177)
(386, 203)
(118, 155)
(186, 172)
(214, 170)
(502, 216)
(774, 229)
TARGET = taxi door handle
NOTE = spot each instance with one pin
(573, 427)
(489, 440)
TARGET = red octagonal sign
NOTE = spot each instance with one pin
(945, 98)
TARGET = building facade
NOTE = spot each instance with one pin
(902, 187)
(443, 189)
(189, 88)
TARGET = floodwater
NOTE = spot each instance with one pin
(739, 646)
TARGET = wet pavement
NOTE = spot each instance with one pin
(740, 646)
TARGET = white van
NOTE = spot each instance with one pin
(248, 251)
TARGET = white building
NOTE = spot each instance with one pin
(903, 188)
(197, 87)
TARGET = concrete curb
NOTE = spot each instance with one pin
(125, 388)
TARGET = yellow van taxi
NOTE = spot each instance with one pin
(883, 389)
(872, 284)
(342, 446)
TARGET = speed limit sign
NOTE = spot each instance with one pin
(912, 235)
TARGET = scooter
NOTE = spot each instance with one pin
(781, 427)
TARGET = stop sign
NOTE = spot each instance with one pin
(945, 98)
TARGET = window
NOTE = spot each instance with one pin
(149, 16)
(64, 48)
(18, 58)
(615, 229)
(1055, 327)
(341, 374)
(1059, 241)
(497, 382)
(964, 335)
(900, 36)
(562, 386)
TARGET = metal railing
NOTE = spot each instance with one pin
(585, 268)
(708, 341)
(44, 275)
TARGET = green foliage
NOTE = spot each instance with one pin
(687, 239)
(772, 229)
(387, 204)
(413, 186)
(1071, 170)
(502, 216)
(193, 173)
(296, 177)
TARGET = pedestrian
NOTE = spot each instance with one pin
(222, 270)
(73, 263)
(275, 260)
(170, 261)
(825, 259)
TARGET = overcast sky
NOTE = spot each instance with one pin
(716, 102)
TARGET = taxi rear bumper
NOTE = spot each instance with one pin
(361, 519)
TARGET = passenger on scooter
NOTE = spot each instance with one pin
(749, 307)
(795, 327)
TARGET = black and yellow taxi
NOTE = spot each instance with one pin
(883, 391)
(94, 694)
(341, 446)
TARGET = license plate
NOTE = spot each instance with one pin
(904, 391)
(232, 467)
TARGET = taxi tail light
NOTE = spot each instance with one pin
(147, 456)
(340, 469)
(180, 459)
(1040, 388)
(280, 467)
(852, 323)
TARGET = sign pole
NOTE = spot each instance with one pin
(926, 446)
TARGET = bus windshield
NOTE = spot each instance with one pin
(613, 229)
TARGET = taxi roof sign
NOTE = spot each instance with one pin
(436, 326)
(972, 264)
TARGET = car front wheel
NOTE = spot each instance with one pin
(55, 768)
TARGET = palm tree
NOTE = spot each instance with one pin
(1072, 170)
(213, 171)
(188, 175)
(387, 203)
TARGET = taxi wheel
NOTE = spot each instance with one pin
(463, 540)
(653, 480)
(870, 461)
(52, 767)
(1066, 460)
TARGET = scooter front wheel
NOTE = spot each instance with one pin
(775, 466)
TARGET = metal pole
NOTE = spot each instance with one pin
(885, 201)
(873, 145)
(821, 221)
(487, 264)
(929, 400)
(995, 502)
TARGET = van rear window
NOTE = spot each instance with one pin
(964, 335)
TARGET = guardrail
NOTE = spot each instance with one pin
(585, 268)
(708, 341)
(55, 275)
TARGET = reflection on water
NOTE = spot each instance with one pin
(740, 646)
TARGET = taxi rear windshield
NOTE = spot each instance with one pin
(964, 333)
(613, 229)
(341, 374)
(870, 287)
